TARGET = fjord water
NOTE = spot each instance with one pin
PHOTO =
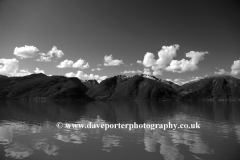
(28, 130)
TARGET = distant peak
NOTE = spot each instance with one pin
(92, 81)
(122, 76)
(150, 77)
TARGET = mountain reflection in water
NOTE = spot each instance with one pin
(28, 130)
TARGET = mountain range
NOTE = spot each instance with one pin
(139, 87)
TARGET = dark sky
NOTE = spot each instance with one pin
(125, 29)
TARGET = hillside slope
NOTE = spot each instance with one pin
(120, 87)
(211, 88)
(40, 86)
(138, 87)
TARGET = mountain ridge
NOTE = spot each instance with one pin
(40, 86)
(120, 87)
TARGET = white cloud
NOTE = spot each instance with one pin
(192, 79)
(235, 68)
(131, 64)
(84, 76)
(69, 64)
(147, 71)
(187, 65)
(178, 81)
(140, 62)
(157, 73)
(165, 56)
(25, 51)
(47, 57)
(23, 72)
(44, 57)
(221, 72)
(56, 52)
(97, 69)
(102, 78)
(99, 64)
(81, 64)
(165, 60)
(65, 64)
(37, 70)
(235, 72)
(109, 61)
(149, 60)
(133, 72)
(9, 67)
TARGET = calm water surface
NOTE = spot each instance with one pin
(28, 131)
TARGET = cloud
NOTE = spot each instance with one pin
(149, 60)
(221, 72)
(147, 71)
(108, 61)
(37, 70)
(140, 62)
(25, 51)
(157, 73)
(97, 69)
(65, 64)
(165, 56)
(84, 76)
(44, 57)
(235, 68)
(56, 52)
(69, 64)
(193, 79)
(165, 60)
(9, 67)
(47, 57)
(23, 72)
(133, 72)
(81, 64)
(187, 65)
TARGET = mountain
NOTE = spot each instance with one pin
(174, 86)
(40, 86)
(211, 88)
(138, 87)
(90, 83)
(120, 87)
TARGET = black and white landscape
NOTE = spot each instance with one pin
(119, 62)
(139, 87)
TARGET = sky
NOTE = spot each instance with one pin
(179, 41)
